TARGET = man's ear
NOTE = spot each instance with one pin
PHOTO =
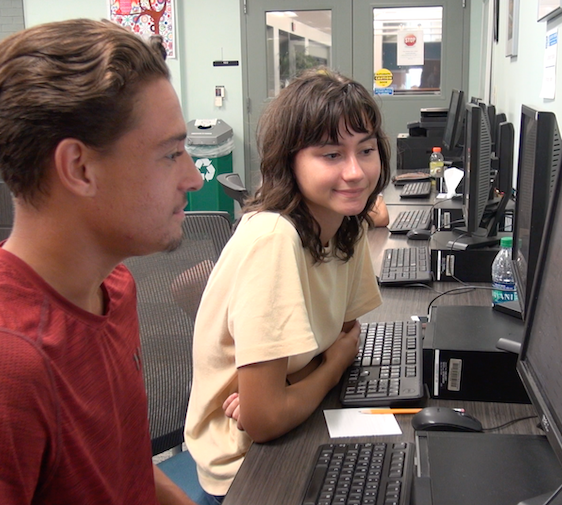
(74, 168)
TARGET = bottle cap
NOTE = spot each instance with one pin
(436, 149)
(506, 242)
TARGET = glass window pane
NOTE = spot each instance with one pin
(296, 40)
(407, 50)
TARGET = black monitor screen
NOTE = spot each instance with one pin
(505, 138)
(477, 169)
(539, 362)
(455, 118)
(539, 153)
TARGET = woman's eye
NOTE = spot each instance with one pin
(331, 156)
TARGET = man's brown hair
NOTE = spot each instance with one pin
(70, 79)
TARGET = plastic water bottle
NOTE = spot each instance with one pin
(436, 163)
(503, 283)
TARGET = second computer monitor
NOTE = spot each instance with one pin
(455, 119)
(505, 138)
(539, 157)
(477, 170)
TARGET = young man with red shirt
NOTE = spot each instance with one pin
(92, 148)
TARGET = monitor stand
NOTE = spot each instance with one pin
(553, 498)
(484, 469)
(478, 239)
(483, 237)
(512, 308)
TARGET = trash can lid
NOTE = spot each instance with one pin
(207, 132)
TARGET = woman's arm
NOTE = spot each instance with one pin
(379, 212)
(269, 407)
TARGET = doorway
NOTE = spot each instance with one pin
(410, 53)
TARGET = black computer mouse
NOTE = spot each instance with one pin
(419, 234)
(444, 419)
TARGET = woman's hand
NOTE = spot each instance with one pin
(343, 351)
(231, 407)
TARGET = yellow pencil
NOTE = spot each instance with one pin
(390, 411)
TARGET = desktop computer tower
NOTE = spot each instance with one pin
(469, 265)
(447, 215)
(461, 360)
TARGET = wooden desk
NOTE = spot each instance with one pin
(276, 472)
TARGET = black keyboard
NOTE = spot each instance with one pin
(416, 190)
(405, 265)
(410, 220)
(407, 176)
(374, 473)
(388, 367)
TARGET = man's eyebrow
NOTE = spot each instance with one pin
(173, 139)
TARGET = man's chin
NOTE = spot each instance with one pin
(173, 245)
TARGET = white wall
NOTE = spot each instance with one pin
(206, 31)
(210, 31)
(518, 80)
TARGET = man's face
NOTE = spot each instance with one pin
(143, 179)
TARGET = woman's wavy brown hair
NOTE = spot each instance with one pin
(308, 112)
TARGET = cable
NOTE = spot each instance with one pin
(461, 290)
(509, 423)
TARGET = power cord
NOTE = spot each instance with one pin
(509, 423)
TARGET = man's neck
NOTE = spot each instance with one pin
(64, 261)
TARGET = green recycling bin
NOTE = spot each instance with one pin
(210, 142)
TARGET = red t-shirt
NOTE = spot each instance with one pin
(73, 410)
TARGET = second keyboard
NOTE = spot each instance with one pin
(406, 265)
(410, 220)
(416, 190)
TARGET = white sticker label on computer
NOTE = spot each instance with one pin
(455, 369)
(450, 265)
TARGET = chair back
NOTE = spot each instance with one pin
(169, 288)
(233, 187)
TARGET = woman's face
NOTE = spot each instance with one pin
(337, 179)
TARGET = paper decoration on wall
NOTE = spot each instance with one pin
(147, 17)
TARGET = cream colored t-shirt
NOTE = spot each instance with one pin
(264, 300)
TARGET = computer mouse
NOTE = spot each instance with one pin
(444, 419)
(419, 234)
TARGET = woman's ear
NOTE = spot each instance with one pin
(72, 164)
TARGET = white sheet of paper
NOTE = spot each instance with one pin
(453, 176)
(351, 423)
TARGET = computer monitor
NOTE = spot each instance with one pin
(539, 157)
(539, 360)
(477, 158)
(455, 120)
(491, 111)
(500, 118)
(505, 144)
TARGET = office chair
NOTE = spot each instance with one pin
(6, 211)
(233, 187)
(169, 289)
